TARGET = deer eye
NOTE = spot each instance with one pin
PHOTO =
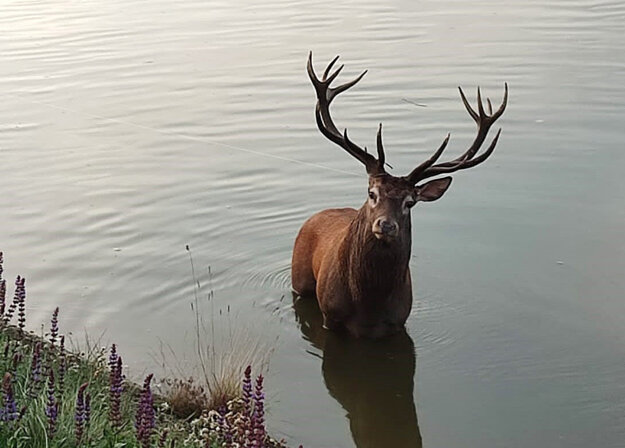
(410, 203)
(371, 195)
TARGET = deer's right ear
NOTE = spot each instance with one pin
(432, 190)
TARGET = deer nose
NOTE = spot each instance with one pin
(386, 227)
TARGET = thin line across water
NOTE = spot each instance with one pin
(178, 135)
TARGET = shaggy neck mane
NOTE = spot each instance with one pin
(373, 267)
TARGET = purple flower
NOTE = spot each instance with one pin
(8, 315)
(252, 428)
(80, 418)
(52, 406)
(245, 429)
(3, 295)
(20, 297)
(35, 370)
(258, 415)
(113, 358)
(8, 412)
(60, 380)
(247, 392)
(87, 409)
(221, 415)
(54, 326)
(115, 390)
(61, 375)
(226, 430)
(145, 421)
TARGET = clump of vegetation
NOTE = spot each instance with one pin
(240, 423)
(217, 379)
(53, 397)
(186, 398)
(220, 359)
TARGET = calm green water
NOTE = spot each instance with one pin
(132, 128)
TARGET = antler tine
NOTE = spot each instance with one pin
(467, 105)
(323, 84)
(339, 89)
(440, 169)
(480, 105)
(504, 103)
(329, 67)
(353, 146)
(325, 95)
(414, 174)
(311, 71)
(381, 157)
(333, 76)
(484, 121)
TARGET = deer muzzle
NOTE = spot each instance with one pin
(385, 228)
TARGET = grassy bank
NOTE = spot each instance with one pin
(55, 397)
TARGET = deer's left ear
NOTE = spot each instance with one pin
(433, 189)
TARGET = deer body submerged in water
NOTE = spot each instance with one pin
(356, 261)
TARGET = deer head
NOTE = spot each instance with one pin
(390, 198)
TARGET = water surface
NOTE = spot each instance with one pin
(131, 129)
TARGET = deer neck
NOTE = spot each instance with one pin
(374, 267)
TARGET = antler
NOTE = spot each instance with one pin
(484, 122)
(325, 95)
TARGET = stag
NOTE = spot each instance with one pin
(356, 261)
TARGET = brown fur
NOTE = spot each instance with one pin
(357, 261)
(362, 282)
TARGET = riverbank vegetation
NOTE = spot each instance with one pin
(52, 396)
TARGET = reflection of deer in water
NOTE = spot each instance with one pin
(356, 261)
(372, 379)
